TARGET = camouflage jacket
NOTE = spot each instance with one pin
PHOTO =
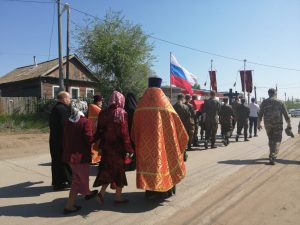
(211, 108)
(192, 112)
(184, 114)
(234, 107)
(226, 114)
(272, 110)
(242, 112)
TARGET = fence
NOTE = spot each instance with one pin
(18, 105)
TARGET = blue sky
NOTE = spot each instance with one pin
(262, 31)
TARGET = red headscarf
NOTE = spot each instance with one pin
(117, 100)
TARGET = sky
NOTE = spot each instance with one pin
(260, 31)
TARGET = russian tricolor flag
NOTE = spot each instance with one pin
(181, 77)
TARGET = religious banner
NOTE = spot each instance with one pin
(246, 79)
(213, 80)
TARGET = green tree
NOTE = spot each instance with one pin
(118, 52)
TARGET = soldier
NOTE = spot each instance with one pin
(192, 120)
(226, 115)
(235, 105)
(272, 110)
(196, 121)
(211, 109)
(242, 114)
(184, 114)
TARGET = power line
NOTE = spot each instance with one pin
(28, 1)
(170, 42)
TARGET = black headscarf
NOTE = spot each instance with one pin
(130, 105)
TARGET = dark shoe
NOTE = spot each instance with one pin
(236, 138)
(255, 135)
(246, 139)
(250, 136)
(61, 187)
(174, 190)
(272, 161)
(123, 201)
(206, 145)
(68, 211)
(185, 156)
(225, 142)
(92, 195)
(213, 146)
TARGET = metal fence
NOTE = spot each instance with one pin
(18, 105)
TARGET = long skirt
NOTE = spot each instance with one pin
(80, 178)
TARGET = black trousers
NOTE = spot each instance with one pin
(253, 121)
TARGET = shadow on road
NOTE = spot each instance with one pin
(137, 204)
(45, 164)
(259, 161)
(25, 189)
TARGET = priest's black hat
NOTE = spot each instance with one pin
(154, 82)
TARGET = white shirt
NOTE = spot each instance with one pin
(254, 109)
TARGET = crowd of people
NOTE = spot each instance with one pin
(151, 136)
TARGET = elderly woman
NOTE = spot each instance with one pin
(112, 130)
(78, 137)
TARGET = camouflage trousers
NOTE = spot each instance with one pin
(275, 137)
(240, 125)
(226, 128)
(211, 128)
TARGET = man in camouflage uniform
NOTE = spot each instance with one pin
(196, 121)
(242, 115)
(192, 120)
(225, 118)
(272, 110)
(234, 105)
(211, 109)
(184, 114)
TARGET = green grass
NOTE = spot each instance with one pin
(36, 121)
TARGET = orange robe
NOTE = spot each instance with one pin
(160, 142)
(93, 112)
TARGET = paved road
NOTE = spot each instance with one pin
(27, 198)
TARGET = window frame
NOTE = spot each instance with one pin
(89, 89)
(53, 94)
(75, 88)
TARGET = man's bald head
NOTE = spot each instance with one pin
(64, 97)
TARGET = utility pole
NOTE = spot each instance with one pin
(211, 66)
(255, 93)
(60, 58)
(67, 7)
(285, 96)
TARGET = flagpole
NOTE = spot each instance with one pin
(171, 92)
(211, 62)
(245, 79)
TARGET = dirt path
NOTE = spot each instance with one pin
(14, 145)
(256, 194)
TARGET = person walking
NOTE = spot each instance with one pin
(112, 130)
(211, 109)
(192, 120)
(185, 116)
(235, 104)
(93, 112)
(160, 140)
(272, 110)
(225, 117)
(61, 172)
(254, 109)
(78, 137)
(242, 114)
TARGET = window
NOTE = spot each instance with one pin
(55, 90)
(74, 92)
(89, 92)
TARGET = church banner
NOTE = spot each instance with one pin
(246, 80)
(213, 80)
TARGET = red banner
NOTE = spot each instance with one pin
(246, 79)
(213, 80)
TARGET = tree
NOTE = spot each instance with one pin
(118, 52)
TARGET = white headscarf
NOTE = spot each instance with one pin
(75, 115)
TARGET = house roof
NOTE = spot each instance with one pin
(42, 69)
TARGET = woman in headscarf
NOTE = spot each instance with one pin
(112, 130)
(93, 113)
(78, 137)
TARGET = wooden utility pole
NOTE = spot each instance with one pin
(211, 66)
(67, 7)
(60, 58)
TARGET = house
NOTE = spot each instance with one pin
(41, 80)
